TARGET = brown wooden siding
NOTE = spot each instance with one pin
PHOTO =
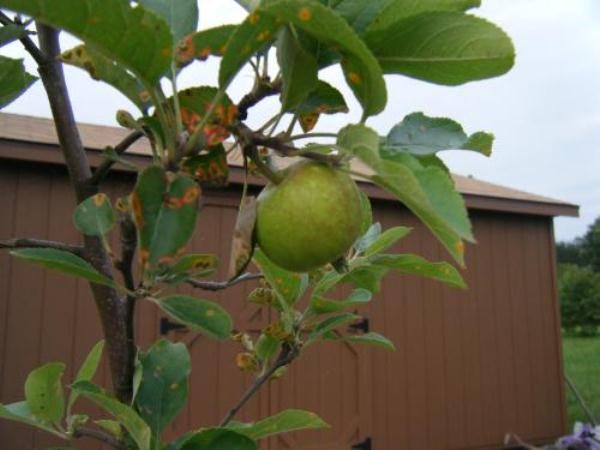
(469, 366)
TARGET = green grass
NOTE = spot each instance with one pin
(582, 365)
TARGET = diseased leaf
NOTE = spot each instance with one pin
(94, 216)
(129, 35)
(14, 80)
(441, 271)
(217, 439)
(324, 99)
(104, 69)
(44, 393)
(133, 423)
(242, 244)
(189, 266)
(194, 103)
(396, 10)
(360, 68)
(198, 315)
(298, 70)
(289, 285)
(282, 422)
(203, 44)
(165, 206)
(447, 48)
(64, 262)
(164, 388)
(210, 169)
(420, 135)
(180, 15)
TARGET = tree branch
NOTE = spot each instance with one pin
(219, 285)
(119, 149)
(263, 89)
(100, 436)
(108, 302)
(286, 356)
(41, 243)
(31, 48)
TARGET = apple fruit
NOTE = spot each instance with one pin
(310, 218)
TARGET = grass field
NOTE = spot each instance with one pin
(582, 365)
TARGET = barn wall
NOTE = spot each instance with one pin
(469, 366)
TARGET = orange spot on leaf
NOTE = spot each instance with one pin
(304, 14)
(253, 18)
(354, 78)
(99, 199)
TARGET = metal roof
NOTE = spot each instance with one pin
(478, 194)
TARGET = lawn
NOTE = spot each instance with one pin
(582, 365)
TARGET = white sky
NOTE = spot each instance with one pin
(545, 113)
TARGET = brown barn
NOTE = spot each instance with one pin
(469, 366)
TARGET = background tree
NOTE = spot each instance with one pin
(140, 48)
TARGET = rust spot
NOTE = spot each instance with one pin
(144, 257)
(201, 264)
(232, 112)
(223, 49)
(200, 174)
(165, 260)
(354, 78)
(460, 247)
(191, 194)
(174, 386)
(214, 170)
(185, 50)
(144, 96)
(204, 53)
(263, 35)
(174, 202)
(253, 18)
(138, 212)
(99, 199)
(304, 14)
(210, 312)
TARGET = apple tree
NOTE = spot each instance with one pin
(309, 231)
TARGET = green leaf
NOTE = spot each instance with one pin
(413, 264)
(10, 33)
(366, 277)
(388, 238)
(112, 426)
(202, 44)
(44, 393)
(330, 324)
(165, 206)
(14, 80)
(370, 338)
(289, 285)
(447, 48)
(282, 422)
(198, 315)
(95, 215)
(366, 211)
(180, 15)
(133, 423)
(298, 70)
(396, 10)
(358, 297)
(64, 262)
(324, 99)
(430, 194)
(422, 136)
(266, 346)
(217, 439)
(129, 35)
(362, 142)
(164, 388)
(368, 238)
(358, 13)
(21, 412)
(104, 69)
(88, 368)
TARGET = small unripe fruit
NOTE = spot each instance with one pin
(312, 217)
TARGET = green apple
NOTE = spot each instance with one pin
(310, 218)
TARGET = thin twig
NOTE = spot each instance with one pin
(286, 356)
(41, 243)
(119, 149)
(581, 402)
(220, 285)
(31, 48)
(100, 436)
